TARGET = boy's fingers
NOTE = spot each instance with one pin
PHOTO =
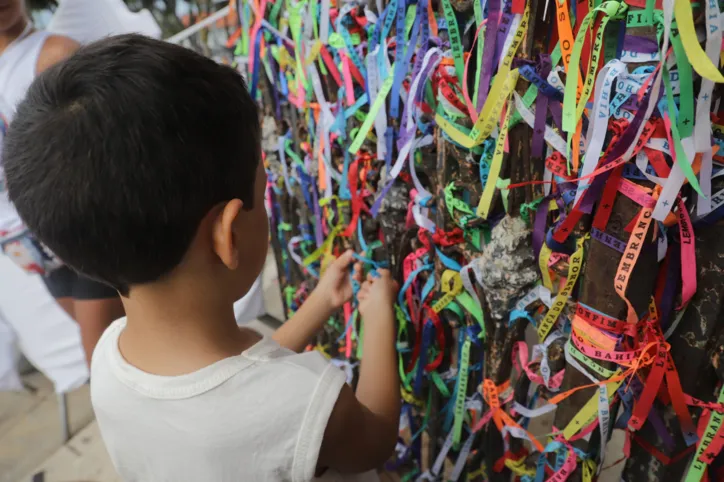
(358, 272)
(384, 273)
(370, 277)
(344, 259)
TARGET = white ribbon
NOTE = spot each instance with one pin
(702, 125)
(373, 85)
(533, 412)
(598, 127)
(324, 23)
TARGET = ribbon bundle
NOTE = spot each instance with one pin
(414, 130)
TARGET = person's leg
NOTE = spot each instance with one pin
(96, 306)
(60, 285)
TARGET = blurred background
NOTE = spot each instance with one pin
(170, 17)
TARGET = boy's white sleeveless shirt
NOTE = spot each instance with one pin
(258, 416)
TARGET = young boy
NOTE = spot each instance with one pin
(151, 161)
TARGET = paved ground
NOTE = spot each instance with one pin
(30, 429)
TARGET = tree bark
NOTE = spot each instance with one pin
(597, 291)
(692, 344)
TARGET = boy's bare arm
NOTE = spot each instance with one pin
(334, 289)
(296, 332)
(56, 49)
(362, 430)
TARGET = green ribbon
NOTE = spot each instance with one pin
(681, 158)
(697, 468)
(685, 119)
(453, 31)
(461, 395)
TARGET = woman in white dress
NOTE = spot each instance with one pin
(29, 318)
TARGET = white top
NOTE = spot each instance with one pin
(89, 20)
(17, 71)
(258, 416)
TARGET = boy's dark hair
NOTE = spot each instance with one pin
(117, 154)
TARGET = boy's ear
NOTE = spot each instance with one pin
(223, 237)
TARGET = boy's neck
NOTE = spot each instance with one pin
(169, 334)
(10, 35)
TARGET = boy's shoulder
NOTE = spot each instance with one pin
(266, 396)
(105, 342)
(276, 369)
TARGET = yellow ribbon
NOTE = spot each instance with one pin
(451, 292)
(574, 269)
(589, 470)
(503, 85)
(589, 411)
(326, 246)
(313, 53)
(543, 259)
(519, 467)
(410, 398)
(496, 164)
(695, 54)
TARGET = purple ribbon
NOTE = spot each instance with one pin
(541, 110)
(629, 136)
(539, 226)
(277, 98)
(634, 43)
(486, 69)
(610, 241)
(503, 28)
(378, 202)
(407, 132)
(554, 106)
(405, 136)
(318, 216)
(631, 103)
(673, 274)
(408, 57)
(660, 427)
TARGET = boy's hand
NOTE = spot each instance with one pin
(373, 413)
(334, 287)
(377, 293)
(333, 290)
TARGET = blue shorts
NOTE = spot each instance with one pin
(66, 283)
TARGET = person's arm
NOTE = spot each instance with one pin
(334, 290)
(362, 430)
(296, 332)
(56, 49)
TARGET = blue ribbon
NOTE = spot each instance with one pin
(529, 73)
(427, 333)
(399, 54)
(518, 314)
(255, 72)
